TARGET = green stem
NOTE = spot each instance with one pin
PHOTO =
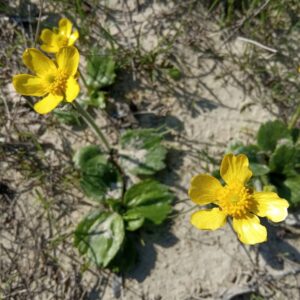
(89, 120)
(294, 118)
(175, 215)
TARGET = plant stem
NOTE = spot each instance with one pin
(294, 118)
(175, 215)
(89, 120)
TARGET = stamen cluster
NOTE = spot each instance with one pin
(62, 41)
(236, 200)
(59, 83)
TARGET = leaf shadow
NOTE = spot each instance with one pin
(153, 240)
(151, 120)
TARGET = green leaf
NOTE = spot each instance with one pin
(97, 99)
(295, 134)
(174, 73)
(233, 146)
(259, 169)
(114, 204)
(99, 236)
(282, 159)
(293, 190)
(155, 213)
(148, 199)
(251, 151)
(133, 223)
(142, 152)
(100, 71)
(83, 155)
(297, 156)
(270, 133)
(98, 176)
(147, 192)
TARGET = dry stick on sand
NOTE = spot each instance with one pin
(257, 44)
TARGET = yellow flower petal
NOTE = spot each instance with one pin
(50, 48)
(271, 206)
(37, 62)
(249, 230)
(72, 89)
(204, 189)
(29, 85)
(208, 219)
(73, 37)
(65, 27)
(49, 38)
(47, 104)
(235, 168)
(68, 59)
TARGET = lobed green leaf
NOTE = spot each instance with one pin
(142, 152)
(99, 236)
(83, 155)
(98, 174)
(101, 71)
(293, 186)
(259, 169)
(147, 192)
(148, 199)
(270, 133)
(282, 160)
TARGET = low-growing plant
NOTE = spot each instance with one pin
(275, 160)
(116, 178)
(109, 229)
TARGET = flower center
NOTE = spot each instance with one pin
(62, 40)
(58, 82)
(236, 200)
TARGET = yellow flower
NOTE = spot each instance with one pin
(54, 80)
(235, 200)
(59, 37)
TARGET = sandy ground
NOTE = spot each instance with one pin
(203, 112)
(181, 262)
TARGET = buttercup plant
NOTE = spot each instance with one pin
(124, 205)
(235, 200)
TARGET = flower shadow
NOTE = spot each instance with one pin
(277, 250)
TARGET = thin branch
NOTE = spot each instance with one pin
(257, 44)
